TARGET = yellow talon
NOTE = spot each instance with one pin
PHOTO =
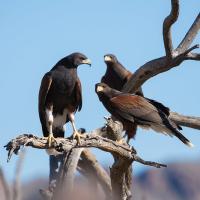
(121, 141)
(78, 136)
(51, 139)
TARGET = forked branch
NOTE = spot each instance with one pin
(177, 56)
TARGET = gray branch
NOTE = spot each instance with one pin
(193, 56)
(167, 24)
(163, 64)
(188, 121)
(190, 36)
(65, 145)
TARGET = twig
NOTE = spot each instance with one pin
(193, 56)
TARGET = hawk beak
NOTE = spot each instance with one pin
(87, 61)
(99, 88)
(107, 58)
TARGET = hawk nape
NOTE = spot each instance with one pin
(116, 75)
(146, 113)
(60, 96)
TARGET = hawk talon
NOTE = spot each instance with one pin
(51, 140)
(76, 135)
(121, 141)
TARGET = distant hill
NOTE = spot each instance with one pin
(179, 181)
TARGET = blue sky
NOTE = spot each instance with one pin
(36, 34)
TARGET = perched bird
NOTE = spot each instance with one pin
(60, 96)
(146, 113)
(116, 75)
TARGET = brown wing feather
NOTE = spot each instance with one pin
(130, 107)
(78, 89)
(44, 89)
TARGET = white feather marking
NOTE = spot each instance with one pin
(57, 120)
(189, 144)
(60, 120)
(49, 116)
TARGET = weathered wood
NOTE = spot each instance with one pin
(167, 24)
(187, 121)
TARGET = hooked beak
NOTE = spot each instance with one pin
(87, 61)
(99, 88)
(107, 59)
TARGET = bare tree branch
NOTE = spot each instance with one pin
(64, 145)
(192, 56)
(6, 188)
(149, 70)
(189, 50)
(16, 184)
(167, 24)
(188, 121)
(163, 64)
(190, 36)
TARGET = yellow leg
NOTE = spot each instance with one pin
(51, 139)
(76, 135)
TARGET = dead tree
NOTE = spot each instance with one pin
(118, 183)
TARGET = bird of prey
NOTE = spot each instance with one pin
(60, 96)
(116, 75)
(146, 113)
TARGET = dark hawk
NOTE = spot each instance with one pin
(60, 96)
(116, 75)
(131, 109)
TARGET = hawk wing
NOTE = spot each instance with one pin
(78, 95)
(133, 107)
(44, 89)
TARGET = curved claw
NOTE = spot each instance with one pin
(76, 135)
(121, 141)
(51, 139)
